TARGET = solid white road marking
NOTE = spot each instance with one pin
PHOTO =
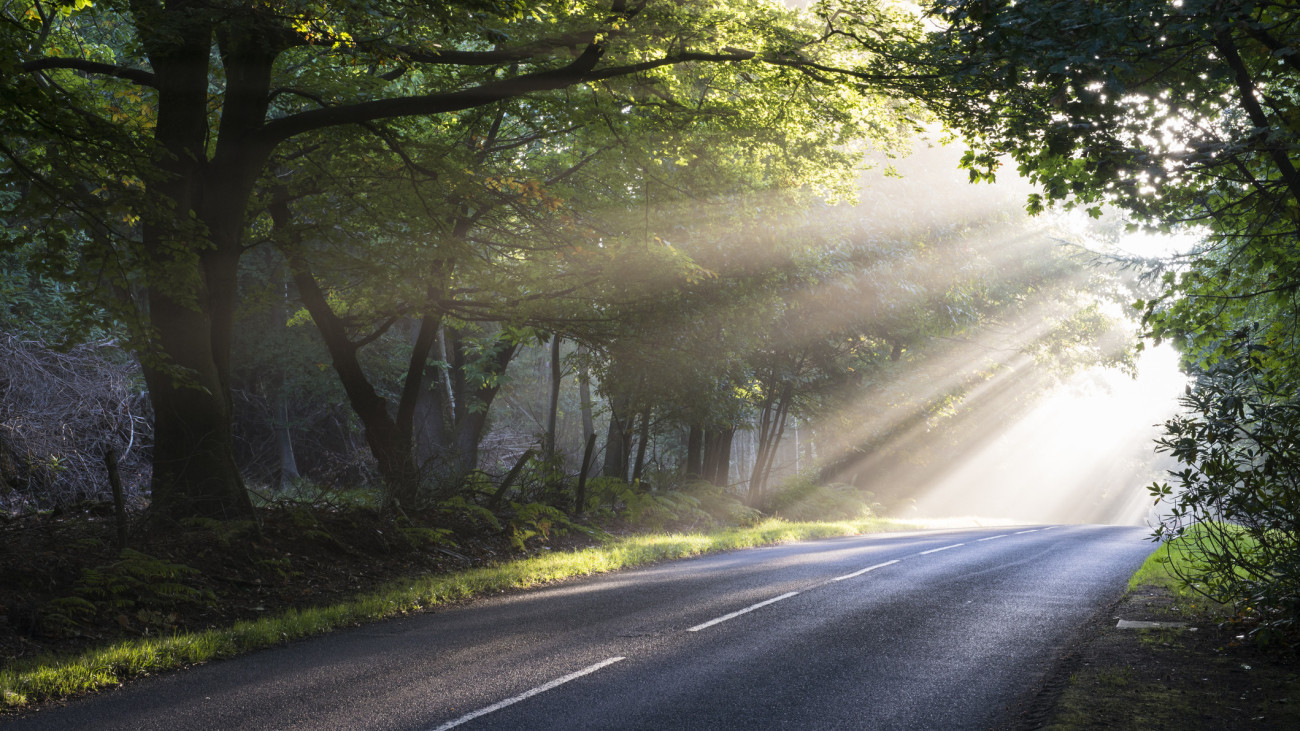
(527, 694)
(1021, 532)
(735, 614)
(936, 550)
(1004, 535)
(860, 572)
(1049, 527)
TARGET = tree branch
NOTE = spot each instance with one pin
(1246, 90)
(581, 70)
(139, 76)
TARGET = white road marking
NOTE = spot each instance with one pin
(936, 550)
(528, 694)
(1004, 535)
(1021, 532)
(737, 613)
(1049, 527)
(863, 571)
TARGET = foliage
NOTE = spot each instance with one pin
(1179, 113)
(1239, 497)
(805, 498)
(376, 142)
(137, 584)
(1183, 114)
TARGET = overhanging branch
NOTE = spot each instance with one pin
(581, 70)
(138, 76)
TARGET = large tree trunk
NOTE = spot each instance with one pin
(473, 401)
(388, 434)
(194, 470)
(192, 300)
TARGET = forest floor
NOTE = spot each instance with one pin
(1207, 674)
(65, 587)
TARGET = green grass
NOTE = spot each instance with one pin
(1185, 556)
(49, 678)
(1163, 567)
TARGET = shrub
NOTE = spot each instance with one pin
(1239, 446)
(803, 498)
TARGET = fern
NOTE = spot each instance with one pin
(474, 514)
(418, 537)
(65, 615)
(534, 519)
(138, 578)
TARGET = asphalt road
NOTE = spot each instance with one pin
(935, 629)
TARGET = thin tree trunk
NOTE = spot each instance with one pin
(762, 439)
(553, 405)
(694, 451)
(643, 439)
(585, 406)
(288, 461)
(584, 396)
(771, 429)
(287, 468)
(616, 441)
(119, 498)
(722, 473)
(580, 499)
(710, 467)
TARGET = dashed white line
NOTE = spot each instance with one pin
(528, 694)
(860, 572)
(1049, 527)
(737, 613)
(1004, 535)
(936, 550)
(1021, 532)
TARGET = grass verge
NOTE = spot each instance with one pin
(1204, 675)
(1165, 565)
(50, 678)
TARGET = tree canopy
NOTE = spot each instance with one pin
(146, 138)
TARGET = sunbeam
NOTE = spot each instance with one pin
(1081, 454)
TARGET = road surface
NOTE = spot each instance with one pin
(933, 629)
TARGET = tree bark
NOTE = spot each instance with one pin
(191, 300)
(553, 404)
(580, 499)
(694, 451)
(643, 440)
(584, 397)
(616, 442)
(771, 428)
(722, 468)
